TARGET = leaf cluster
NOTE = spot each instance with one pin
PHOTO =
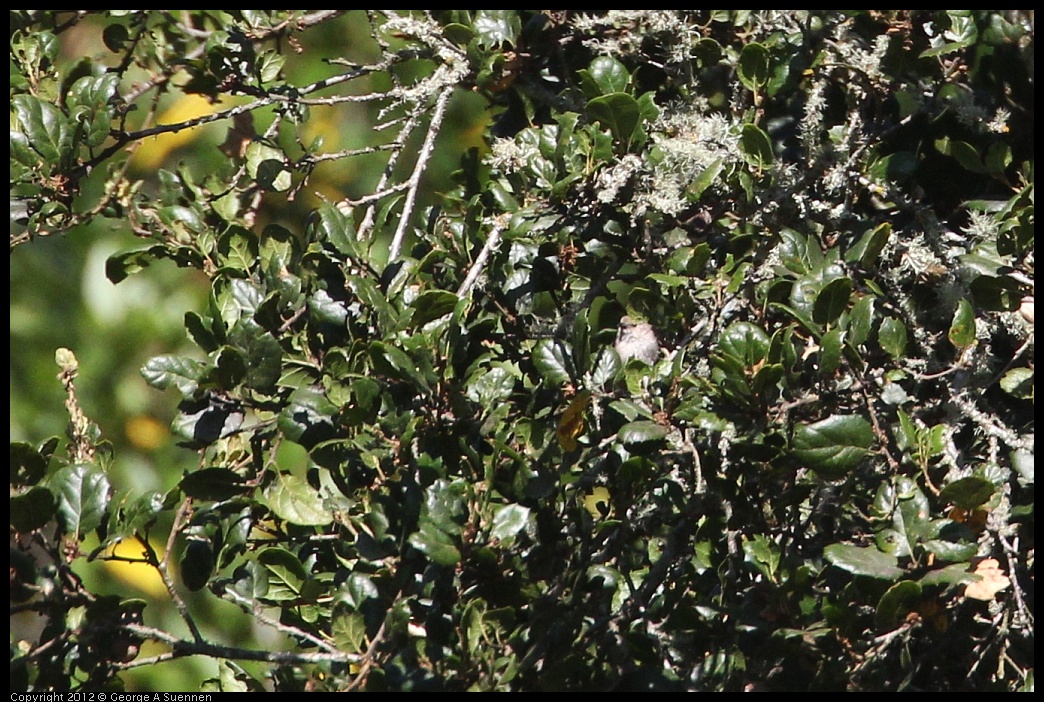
(416, 443)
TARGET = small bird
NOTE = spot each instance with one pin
(637, 340)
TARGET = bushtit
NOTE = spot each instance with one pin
(637, 340)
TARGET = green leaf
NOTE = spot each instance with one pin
(892, 337)
(28, 464)
(396, 363)
(217, 484)
(745, 342)
(906, 506)
(830, 351)
(756, 146)
(264, 358)
(962, 330)
(328, 224)
(496, 27)
(308, 417)
(551, 359)
(185, 374)
(88, 100)
(860, 320)
(31, 510)
(832, 301)
(868, 249)
(286, 574)
(753, 68)
(954, 574)
(641, 431)
(47, 129)
(898, 601)
(1018, 382)
(82, 492)
(968, 493)
(435, 544)
(266, 165)
(863, 560)
(508, 522)
(964, 152)
(996, 294)
(605, 75)
(431, 305)
(707, 177)
(297, 502)
(834, 446)
(618, 112)
(120, 265)
(348, 629)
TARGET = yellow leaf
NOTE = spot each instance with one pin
(993, 581)
(572, 423)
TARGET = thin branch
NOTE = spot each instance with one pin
(182, 647)
(476, 268)
(278, 626)
(389, 168)
(418, 170)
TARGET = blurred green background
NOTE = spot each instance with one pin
(60, 297)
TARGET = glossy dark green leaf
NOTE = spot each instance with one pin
(964, 152)
(286, 574)
(996, 294)
(348, 629)
(120, 265)
(396, 363)
(308, 417)
(863, 560)
(641, 431)
(833, 446)
(163, 372)
(82, 492)
(509, 521)
(436, 545)
(745, 342)
(28, 464)
(905, 505)
(329, 225)
(968, 493)
(830, 347)
(618, 112)
(860, 320)
(431, 305)
(297, 502)
(605, 75)
(756, 146)
(832, 301)
(892, 337)
(551, 359)
(867, 249)
(898, 601)
(707, 177)
(197, 564)
(753, 67)
(31, 510)
(47, 129)
(494, 28)
(216, 484)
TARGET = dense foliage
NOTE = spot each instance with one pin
(420, 460)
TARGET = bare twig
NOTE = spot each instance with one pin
(418, 170)
(476, 268)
